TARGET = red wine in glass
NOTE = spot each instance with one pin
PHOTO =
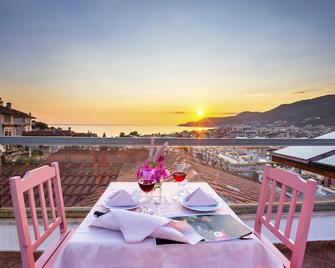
(146, 185)
(179, 176)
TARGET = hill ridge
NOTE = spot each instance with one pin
(316, 111)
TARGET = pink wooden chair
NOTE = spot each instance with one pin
(45, 177)
(284, 179)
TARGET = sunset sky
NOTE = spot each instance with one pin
(163, 62)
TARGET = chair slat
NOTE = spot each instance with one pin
(33, 214)
(271, 199)
(304, 223)
(262, 199)
(43, 207)
(291, 213)
(280, 206)
(59, 197)
(51, 201)
(21, 222)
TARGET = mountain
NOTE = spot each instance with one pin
(315, 111)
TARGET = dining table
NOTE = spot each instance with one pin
(97, 247)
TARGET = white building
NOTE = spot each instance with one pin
(13, 122)
(235, 160)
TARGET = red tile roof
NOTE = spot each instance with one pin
(85, 174)
(83, 181)
(78, 182)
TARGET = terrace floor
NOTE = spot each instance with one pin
(319, 254)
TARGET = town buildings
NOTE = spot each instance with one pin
(243, 161)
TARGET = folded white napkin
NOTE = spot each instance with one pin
(135, 227)
(199, 198)
(121, 198)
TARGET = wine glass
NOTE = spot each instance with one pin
(146, 183)
(180, 169)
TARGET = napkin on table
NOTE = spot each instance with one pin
(135, 227)
(199, 198)
(121, 198)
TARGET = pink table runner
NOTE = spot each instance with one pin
(95, 247)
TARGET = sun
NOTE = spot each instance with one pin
(200, 112)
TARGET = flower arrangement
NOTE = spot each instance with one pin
(154, 168)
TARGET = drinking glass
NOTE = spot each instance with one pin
(180, 169)
(146, 184)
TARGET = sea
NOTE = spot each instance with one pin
(115, 130)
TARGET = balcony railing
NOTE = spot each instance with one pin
(144, 141)
(14, 125)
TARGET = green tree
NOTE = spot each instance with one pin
(39, 125)
(134, 133)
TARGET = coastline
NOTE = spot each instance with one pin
(115, 130)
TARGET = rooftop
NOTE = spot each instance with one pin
(86, 173)
(8, 110)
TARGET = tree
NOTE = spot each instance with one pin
(104, 135)
(39, 125)
(134, 133)
(122, 134)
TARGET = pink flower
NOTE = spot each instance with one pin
(157, 174)
(147, 174)
(160, 159)
(165, 173)
(153, 170)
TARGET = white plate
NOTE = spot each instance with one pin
(120, 207)
(202, 209)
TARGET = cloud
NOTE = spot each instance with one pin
(178, 112)
(307, 91)
(223, 114)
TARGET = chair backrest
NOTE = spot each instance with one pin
(273, 179)
(43, 178)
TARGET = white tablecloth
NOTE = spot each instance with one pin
(95, 247)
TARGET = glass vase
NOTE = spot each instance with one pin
(157, 194)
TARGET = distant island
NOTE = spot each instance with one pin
(317, 111)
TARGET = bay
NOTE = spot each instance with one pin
(114, 130)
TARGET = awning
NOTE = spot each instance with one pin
(316, 159)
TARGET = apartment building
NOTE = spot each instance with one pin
(13, 122)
